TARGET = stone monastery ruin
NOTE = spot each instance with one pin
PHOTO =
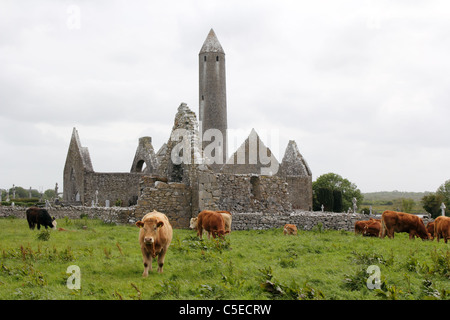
(189, 174)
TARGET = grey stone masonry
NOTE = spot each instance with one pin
(304, 220)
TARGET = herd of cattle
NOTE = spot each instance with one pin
(392, 221)
(155, 234)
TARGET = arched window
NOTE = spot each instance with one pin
(141, 166)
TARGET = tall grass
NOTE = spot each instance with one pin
(253, 264)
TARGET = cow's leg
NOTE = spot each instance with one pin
(161, 257)
(391, 234)
(38, 226)
(147, 260)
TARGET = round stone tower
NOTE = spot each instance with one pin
(212, 95)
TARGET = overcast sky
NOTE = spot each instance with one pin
(363, 87)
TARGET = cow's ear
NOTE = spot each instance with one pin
(160, 224)
(139, 224)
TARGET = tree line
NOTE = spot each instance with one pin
(432, 202)
(336, 194)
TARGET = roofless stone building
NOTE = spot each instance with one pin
(192, 172)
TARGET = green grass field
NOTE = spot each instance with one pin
(248, 265)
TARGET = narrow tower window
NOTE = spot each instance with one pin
(203, 97)
(255, 187)
(204, 58)
(217, 58)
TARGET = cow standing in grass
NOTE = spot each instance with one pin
(372, 228)
(155, 235)
(38, 216)
(442, 228)
(392, 221)
(430, 229)
(212, 222)
(226, 218)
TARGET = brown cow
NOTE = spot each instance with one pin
(442, 228)
(372, 228)
(430, 229)
(212, 222)
(290, 229)
(155, 235)
(392, 221)
(361, 226)
(226, 217)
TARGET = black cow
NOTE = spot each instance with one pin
(39, 216)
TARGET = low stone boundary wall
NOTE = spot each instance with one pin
(120, 215)
(304, 220)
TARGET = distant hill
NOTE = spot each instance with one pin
(391, 195)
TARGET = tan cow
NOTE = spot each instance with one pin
(290, 229)
(442, 228)
(212, 222)
(392, 221)
(155, 235)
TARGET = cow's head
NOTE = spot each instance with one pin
(149, 229)
(220, 233)
(193, 223)
(54, 224)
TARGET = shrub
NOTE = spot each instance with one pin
(44, 235)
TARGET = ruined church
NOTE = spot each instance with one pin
(192, 170)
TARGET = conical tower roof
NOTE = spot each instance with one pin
(293, 163)
(212, 44)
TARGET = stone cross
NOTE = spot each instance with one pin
(322, 207)
(354, 205)
(29, 193)
(443, 207)
(14, 191)
(370, 210)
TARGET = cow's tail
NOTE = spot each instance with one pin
(383, 228)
